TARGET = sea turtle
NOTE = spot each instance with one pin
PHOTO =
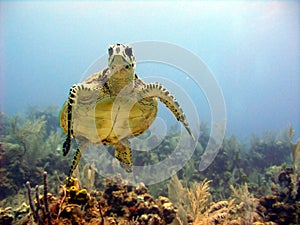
(112, 106)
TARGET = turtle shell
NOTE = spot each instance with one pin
(110, 119)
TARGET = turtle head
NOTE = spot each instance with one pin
(121, 58)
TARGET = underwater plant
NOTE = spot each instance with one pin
(86, 176)
(28, 146)
(295, 150)
(46, 218)
(35, 135)
(193, 200)
(282, 205)
(269, 150)
(196, 203)
(247, 204)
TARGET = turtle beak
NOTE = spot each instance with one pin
(118, 62)
(118, 59)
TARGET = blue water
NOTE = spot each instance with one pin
(252, 49)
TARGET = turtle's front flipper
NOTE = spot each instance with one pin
(83, 94)
(159, 91)
(123, 154)
(70, 103)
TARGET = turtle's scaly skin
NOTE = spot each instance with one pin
(112, 106)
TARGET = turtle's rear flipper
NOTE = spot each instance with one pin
(123, 154)
(75, 162)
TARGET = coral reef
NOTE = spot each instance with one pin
(6, 216)
(28, 146)
(255, 183)
(282, 205)
(119, 203)
(12, 173)
(10, 215)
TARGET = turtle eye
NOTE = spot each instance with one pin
(128, 51)
(110, 51)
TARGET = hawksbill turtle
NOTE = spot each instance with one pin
(113, 105)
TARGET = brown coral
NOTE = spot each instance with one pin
(281, 207)
(120, 203)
